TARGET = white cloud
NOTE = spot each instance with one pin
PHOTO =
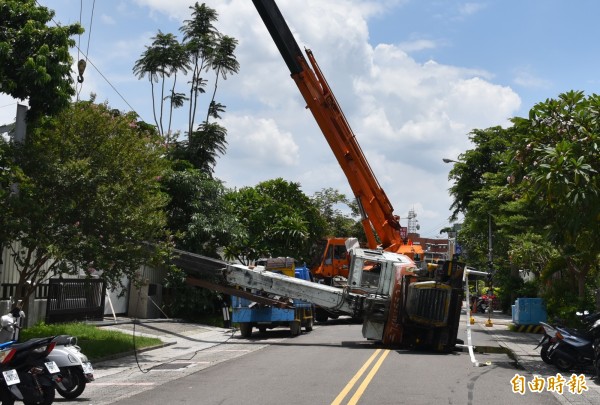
(417, 45)
(260, 142)
(108, 20)
(467, 9)
(406, 115)
(525, 78)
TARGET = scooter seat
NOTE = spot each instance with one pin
(31, 343)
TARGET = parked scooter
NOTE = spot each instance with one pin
(484, 303)
(548, 341)
(568, 348)
(596, 345)
(26, 374)
(75, 368)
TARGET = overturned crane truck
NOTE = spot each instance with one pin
(399, 303)
(381, 226)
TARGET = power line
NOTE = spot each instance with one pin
(98, 70)
(437, 228)
(8, 105)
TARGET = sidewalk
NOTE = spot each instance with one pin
(521, 347)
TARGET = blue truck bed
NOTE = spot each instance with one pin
(249, 314)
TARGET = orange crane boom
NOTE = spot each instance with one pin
(381, 226)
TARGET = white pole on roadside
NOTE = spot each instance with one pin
(112, 309)
(469, 338)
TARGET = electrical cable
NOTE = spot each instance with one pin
(7, 105)
(87, 51)
(135, 321)
(99, 72)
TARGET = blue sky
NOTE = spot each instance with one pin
(413, 77)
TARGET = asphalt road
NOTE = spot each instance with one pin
(333, 364)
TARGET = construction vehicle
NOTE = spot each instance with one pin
(382, 228)
(399, 304)
(248, 313)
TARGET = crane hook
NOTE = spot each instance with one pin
(81, 67)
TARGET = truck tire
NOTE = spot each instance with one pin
(321, 315)
(295, 328)
(309, 324)
(246, 329)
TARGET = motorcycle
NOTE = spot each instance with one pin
(75, 368)
(26, 374)
(484, 302)
(548, 341)
(596, 345)
(567, 348)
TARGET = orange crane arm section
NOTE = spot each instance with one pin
(377, 211)
(378, 217)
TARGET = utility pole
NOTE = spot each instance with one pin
(17, 129)
(490, 272)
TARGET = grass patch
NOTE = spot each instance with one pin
(96, 343)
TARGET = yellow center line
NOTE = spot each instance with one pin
(361, 389)
(357, 376)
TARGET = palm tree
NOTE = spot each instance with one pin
(161, 60)
(200, 38)
(204, 144)
(223, 62)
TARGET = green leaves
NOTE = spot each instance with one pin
(279, 220)
(547, 208)
(34, 60)
(202, 49)
(91, 197)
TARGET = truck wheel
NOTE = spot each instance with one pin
(295, 328)
(246, 329)
(321, 315)
(309, 324)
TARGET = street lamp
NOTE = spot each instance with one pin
(446, 160)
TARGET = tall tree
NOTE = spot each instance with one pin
(539, 181)
(163, 59)
(91, 197)
(203, 49)
(199, 214)
(223, 62)
(339, 223)
(35, 63)
(557, 167)
(200, 39)
(278, 220)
